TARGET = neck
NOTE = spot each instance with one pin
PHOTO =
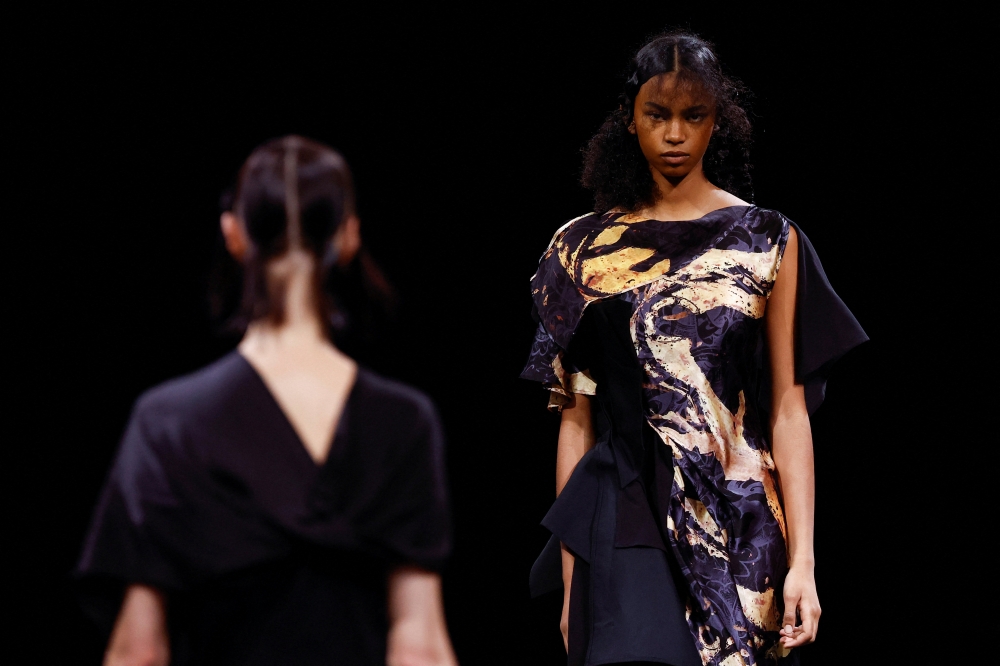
(688, 197)
(290, 279)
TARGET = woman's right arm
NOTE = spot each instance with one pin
(576, 437)
(140, 634)
(418, 633)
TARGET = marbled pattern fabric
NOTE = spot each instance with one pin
(698, 291)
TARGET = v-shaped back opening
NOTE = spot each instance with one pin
(335, 427)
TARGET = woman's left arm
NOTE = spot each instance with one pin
(791, 447)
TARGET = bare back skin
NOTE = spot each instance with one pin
(309, 378)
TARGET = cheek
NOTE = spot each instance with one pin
(704, 135)
(649, 141)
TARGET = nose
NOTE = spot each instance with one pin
(675, 132)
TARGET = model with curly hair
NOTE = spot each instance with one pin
(685, 335)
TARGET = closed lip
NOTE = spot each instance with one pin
(674, 153)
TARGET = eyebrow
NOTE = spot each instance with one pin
(696, 107)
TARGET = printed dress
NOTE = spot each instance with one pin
(675, 516)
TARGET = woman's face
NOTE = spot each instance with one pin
(673, 124)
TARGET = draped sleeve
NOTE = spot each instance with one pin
(403, 513)
(564, 372)
(825, 329)
(552, 360)
(127, 542)
(210, 480)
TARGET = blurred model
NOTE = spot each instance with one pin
(282, 505)
(685, 335)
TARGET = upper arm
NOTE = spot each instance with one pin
(576, 437)
(577, 406)
(576, 418)
(780, 323)
(411, 515)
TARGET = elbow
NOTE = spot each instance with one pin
(419, 646)
(417, 659)
(790, 421)
(789, 412)
(147, 656)
(791, 435)
(418, 633)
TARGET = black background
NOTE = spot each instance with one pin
(463, 129)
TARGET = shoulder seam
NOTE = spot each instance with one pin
(559, 231)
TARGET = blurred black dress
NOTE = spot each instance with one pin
(265, 556)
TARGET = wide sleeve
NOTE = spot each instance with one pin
(557, 308)
(408, 519)
(122, 546)
(825, 329)
(563, 372)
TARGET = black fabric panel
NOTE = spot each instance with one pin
(635, 524)
(269, 614)
(580, 616)
(825, 328)
(619, 379)
(546, 571)
(571, 516)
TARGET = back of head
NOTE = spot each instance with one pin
(292, 194)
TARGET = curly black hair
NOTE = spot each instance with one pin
(614, 167)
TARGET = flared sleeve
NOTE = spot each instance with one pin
(825, 328)
(564, 372)
(552, 360)
(406, 517)
(126, 543)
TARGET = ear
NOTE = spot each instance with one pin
(235, 235)
(347, 240)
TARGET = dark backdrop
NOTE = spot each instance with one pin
(464, 131)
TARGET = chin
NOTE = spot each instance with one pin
(678, 172)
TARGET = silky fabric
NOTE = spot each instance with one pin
(265, 556)
(681, 383)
